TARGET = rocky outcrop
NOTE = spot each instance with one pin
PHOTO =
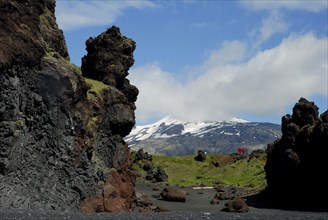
(297, 163)
(141, 155)
(156, 174)
(144, 161)
(61, 134)
(28, 30)
(117, 194)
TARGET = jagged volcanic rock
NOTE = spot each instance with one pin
(28, 28)
(297, 163)
(115, 109)
(61, 139)
(109, 58)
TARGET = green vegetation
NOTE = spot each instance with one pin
(49, 51)
(96, 87)
(46, 17)
(76, 68)
(92, 123)
(186, 171)
(127, 40)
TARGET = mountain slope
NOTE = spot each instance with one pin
(170, 136)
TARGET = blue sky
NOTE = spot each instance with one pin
(213, 60)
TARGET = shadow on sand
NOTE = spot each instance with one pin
(265, 200)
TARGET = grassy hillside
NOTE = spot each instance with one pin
(186, 171)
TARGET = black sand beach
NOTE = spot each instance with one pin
(197, 206)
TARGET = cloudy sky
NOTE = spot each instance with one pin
(213, 60)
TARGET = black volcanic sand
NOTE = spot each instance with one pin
(198, 203)
(197, 206)
(197, 200)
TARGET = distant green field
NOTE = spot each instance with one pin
(186, 171)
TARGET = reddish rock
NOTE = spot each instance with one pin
(94, 204)
(215, 200)
(146, 210)
(236, 205)
(174, 195)
(143, 200)
(116, 195)
(161, 209)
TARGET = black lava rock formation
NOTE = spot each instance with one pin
(61, 139)
(296, 164)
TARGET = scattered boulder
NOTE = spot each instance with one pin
(147, 166)
(146, 205)
(224, 195)
(216, 163)
(156, 174)
(258, 153)
(201, 156)
(227, 192)
(174, 195)
(161, 209)
(236, 156)
(141, 155)
(146, 210)
(236, 205)
(143, 200)
(215, 200)
(144, 161)
(153, 209)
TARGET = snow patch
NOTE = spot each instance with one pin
(161, 128)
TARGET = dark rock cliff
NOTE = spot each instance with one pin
(297, 163)
(61, 134)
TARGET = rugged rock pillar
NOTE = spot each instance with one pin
(110, 55)
(297, 163)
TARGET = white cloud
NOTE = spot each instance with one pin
(77, 14)
(271, 25)
(304, 5)
(160, 92)
(266, 84)
(231, 51)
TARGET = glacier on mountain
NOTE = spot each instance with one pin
(170, 136)
(169, 127)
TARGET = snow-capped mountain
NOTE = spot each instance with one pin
(170, 136)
